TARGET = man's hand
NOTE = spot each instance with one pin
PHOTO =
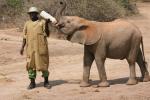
(21, 51)
(23, 45)
(48, 21)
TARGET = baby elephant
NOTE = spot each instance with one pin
(118, 39)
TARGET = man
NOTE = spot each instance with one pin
(34, 38)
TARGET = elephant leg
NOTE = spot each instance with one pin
(102, 72)
(132, 79)
(132, 57)
(145, 74)
(88, 60)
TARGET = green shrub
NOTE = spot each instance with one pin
(99, 10)
(129, 6)
(123, 3)
(16, 4)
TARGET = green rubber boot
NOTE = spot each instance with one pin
(32, 84)
(46, 83)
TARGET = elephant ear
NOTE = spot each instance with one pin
(86, 34)
(78, 37)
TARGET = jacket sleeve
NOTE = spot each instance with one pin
(43, 27)
(25, 31)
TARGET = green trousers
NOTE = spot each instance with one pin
(32, 73)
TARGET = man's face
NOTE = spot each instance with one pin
(33, 15)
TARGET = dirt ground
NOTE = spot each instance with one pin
(66, 70)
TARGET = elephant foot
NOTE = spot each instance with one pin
(104, 84)
(132, 82)
(146, 78)
(140, 79)
(84, 84)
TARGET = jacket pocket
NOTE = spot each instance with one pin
(42, 45)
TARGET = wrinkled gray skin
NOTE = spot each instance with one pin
(116, 40)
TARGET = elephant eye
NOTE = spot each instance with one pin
(68, 21)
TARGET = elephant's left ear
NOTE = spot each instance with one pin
(87, 34)
(78, 37)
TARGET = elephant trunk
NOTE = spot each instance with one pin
(59, 12)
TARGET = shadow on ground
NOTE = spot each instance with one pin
(92, 82)
(52, 83)
(112, 82)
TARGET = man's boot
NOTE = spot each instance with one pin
(46, 83)
(32, 84)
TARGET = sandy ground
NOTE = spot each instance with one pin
(66, 70)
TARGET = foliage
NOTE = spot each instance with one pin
(123, 3)
(15, 4)
(99, 10)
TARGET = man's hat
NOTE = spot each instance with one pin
(33, 9)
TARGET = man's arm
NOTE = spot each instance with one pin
(47, 27)
(24, 38)
(23, 45)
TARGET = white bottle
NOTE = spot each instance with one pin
(48, 16)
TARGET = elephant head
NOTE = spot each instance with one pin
(77, 29)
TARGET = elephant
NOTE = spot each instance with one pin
(118, 39)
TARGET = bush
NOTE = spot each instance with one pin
(128, 5)
(99, 10)
(123, 3)
(16, 4)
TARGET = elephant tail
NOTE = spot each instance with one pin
(143, 51)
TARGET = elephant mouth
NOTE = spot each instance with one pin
(66, 30)
(69, 37)
(66, 36)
